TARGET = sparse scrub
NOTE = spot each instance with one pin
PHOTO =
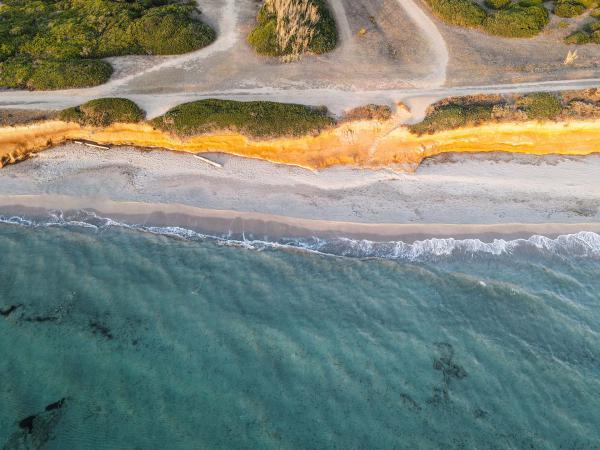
(589, 34)
(469, 111)
(103, 112)
(368, 112)
(291, 28)
(254, 119)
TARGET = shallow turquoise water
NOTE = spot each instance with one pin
(157, 342)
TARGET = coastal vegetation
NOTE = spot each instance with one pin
(103, 112)
(536, 123)
(368, 112)
(511, 18)
(58, 44)
(572, 8)
(12, 117)
(290, 28)
(257, 119)
(589, 34)
(459, 112)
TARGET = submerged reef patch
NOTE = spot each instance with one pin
(37, 429)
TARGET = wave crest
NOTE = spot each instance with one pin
(581, 244)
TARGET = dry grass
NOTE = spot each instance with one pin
(296, 25)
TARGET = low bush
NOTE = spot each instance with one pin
(368, 112)
(255, 119)
(568, 8)
(170, 31)
(24, 73)
(497, 4)
(526, 3)
(464, 13)
(578, 37)
(453, 115)
(572, 8)
(589, 34)
(103, 112)
(517, 21)
(263, 38)
(507, 18)
(42, 39)
(540, 105)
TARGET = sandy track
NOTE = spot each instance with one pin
(344, 32)
(437, 43)
(337, 100)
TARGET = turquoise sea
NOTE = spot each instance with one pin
(114, 337)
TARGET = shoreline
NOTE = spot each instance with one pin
(451, 189)
(252, 225)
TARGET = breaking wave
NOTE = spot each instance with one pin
(581, 244)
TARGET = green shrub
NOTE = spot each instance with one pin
(103, 112)
(78, 73)
(15, 72)
(595, 37)
(595, 13)
(540, 106)
(60, 36)
(263, 38)
(326, 37)
(497, 4)
(578, 37)
(594, 26)
(517, 21)
(507, 18)
(569, 8)
(453, 116)
(526, 3)
(165, 31)
(23, 73)
(464, 13)
(255, 119)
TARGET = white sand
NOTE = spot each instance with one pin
(461, 189)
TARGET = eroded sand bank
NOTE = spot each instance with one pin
(364, 144)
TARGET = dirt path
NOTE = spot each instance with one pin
(344, 32)
(337, 100)
(437, 43)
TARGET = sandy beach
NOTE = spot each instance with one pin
(492, 195)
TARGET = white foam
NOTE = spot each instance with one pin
(581, 244)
